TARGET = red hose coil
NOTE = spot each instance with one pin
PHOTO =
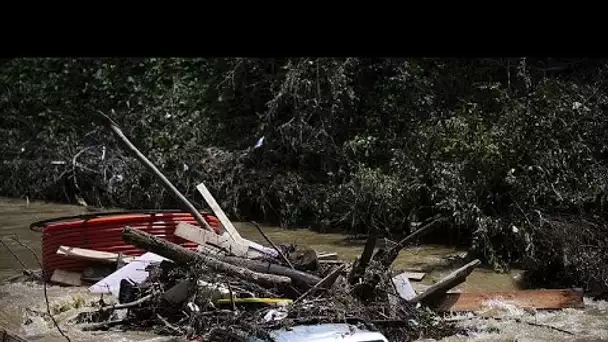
(104, 233)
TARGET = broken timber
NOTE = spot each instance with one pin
(415, 275)
(450, 281)
(204, 237)
(526, 299)
(183, 256)
(93, 255)
(217, 211)
(66, 278)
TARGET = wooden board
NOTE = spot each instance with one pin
(90, 254)
(205, 237)
(327, 256)
(66, 278)
(228, 226)
(217, 211)
(415, 275)
(526, 299)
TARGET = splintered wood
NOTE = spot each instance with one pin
(93, 255)
(206, 238)
(66, 278)
(526, 299)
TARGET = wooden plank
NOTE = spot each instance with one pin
(204, 237)
(227, 224)
(333, 262)
(217, 210)
(415, 275)
(90, 254)
(327, 256)
(526, 299)
(447, 283)
(67, 278)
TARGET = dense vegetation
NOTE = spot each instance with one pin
(500, 147)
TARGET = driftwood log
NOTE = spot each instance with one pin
(299, 278)
(450, 281)
(183, 256)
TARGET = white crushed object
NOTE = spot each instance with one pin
(403, 286)
(275, 315)
(193, 307)
(259, 143)
(134, 271)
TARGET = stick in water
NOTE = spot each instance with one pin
(46, 297)
(136, 153)
(273, 245)
(329, 279)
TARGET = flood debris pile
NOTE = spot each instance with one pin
(230, 288)
(215, 295)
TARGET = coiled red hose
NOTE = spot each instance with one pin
(103, 232)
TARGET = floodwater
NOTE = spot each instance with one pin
(21, 304)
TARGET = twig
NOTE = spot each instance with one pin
(330, 278)
(127, 305)
(169, 325)
(516, 320)
(103, 325)
(231, 297)
(273, 245)
(46, 297)
(391, 255)
(25, 268)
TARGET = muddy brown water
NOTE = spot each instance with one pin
(20, 303)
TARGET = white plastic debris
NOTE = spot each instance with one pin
(275, 315)
(134, 271)
(193, 307)
(259, 143)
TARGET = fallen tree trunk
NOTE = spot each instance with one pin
(450, 281)
(298, 277)
(183, 256)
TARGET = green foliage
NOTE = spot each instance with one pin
(349, 143)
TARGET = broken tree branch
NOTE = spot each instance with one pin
(273, 245)
(109, 123)
(360, 265)
(183, 256)
(328, 280)
(127, 305)
(46, 297)
(391, 255)
(26, 270)
(301, 278)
